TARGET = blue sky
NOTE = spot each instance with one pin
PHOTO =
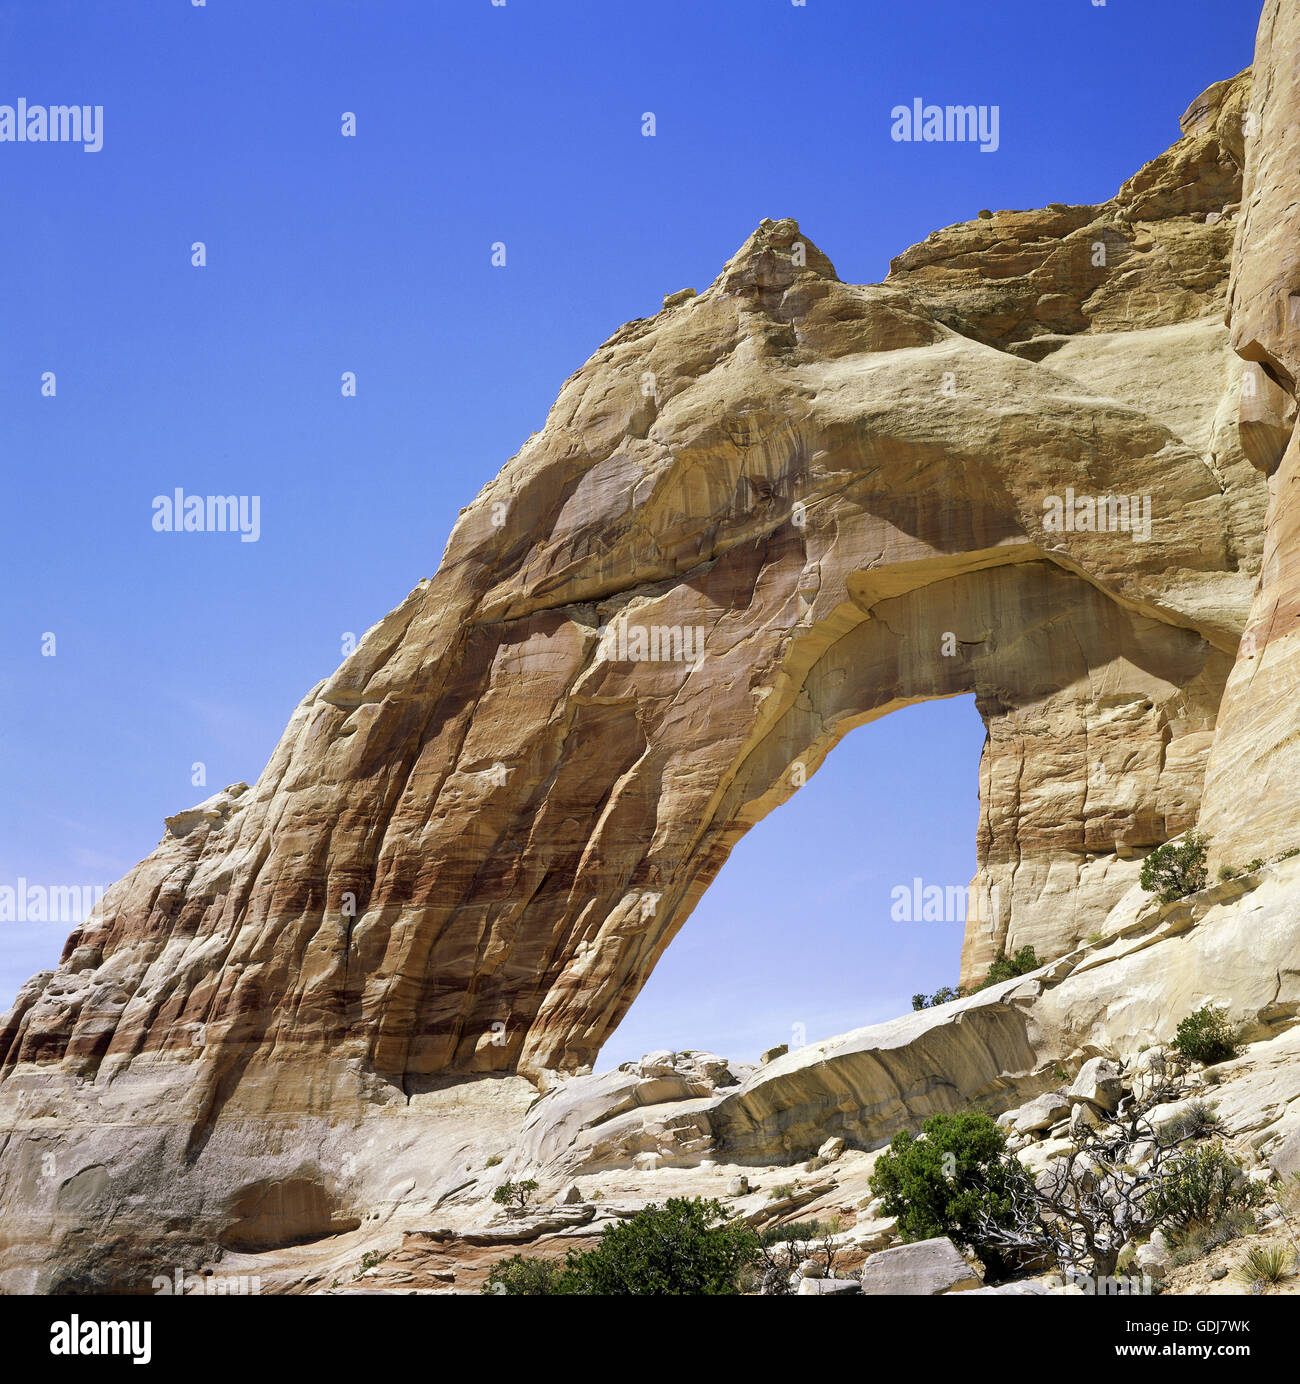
(475, 124)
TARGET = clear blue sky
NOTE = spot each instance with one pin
(475, 123)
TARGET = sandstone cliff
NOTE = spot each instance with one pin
(776, 510)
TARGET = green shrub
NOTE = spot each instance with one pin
(1003, 968)
(943, 1182)
(493, 1161)
(1172, 872)
(1206, 1036)
(1198, 1121)
(783, 1248)
(1226, 872)
(1197, 1241)
(514, 1193)
(1008, 967)
(940, 996)
(1203, 1185)
(526, 1276)
(1253, 865)
(1264, 1266)
(686, 1247)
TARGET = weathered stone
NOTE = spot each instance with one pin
(1255, 764)
(1041, 1113)
(923, 1269)
(829, 1287)
(1100, 1082)
(475, 839)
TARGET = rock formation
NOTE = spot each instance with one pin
(776, 510)
(1250, 780)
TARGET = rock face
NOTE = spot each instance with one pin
(1250, 782)
(777, 510)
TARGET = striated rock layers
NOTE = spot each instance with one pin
(1251, 781)
(774, 511)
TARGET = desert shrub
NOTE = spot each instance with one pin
(1172, 872)
(686, 1247)
(940, 996)
(782, 1248)
(1008, 967)
(514, 1194)
(1198, 1121)
(526, 1276)
(1253, 865)
(949, 1180)
(1206, 1036)
(1203, 1185)
(1264, 1266)
(1197, 1241)
(1226, 872)
(1003, 968)
(493, 1161)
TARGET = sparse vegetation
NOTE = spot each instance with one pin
(686, 1247)
(526, 1276)
(370, 1260)
(1206, 1036)
(954, 1179)
(940, 996)
(1265, 1266)
(1003, 968)
(1008, 967)
(783, 1248)
(1202, 1186)
(515, 1194)
(1172, 872)
(1196, 1242)
(1198, 1121)
(493, 1161)
(1123, 1179)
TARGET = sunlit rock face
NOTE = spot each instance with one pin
(1255, 768)
(775, 510)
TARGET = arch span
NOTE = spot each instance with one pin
(775, 511)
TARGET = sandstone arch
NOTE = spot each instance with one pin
(440, 879)
(824, 479)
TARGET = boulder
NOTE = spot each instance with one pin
(1100, 1082)
(923, 1269)
(828, 1287)
(1041, 1113)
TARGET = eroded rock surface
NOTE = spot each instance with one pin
(778, 509)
